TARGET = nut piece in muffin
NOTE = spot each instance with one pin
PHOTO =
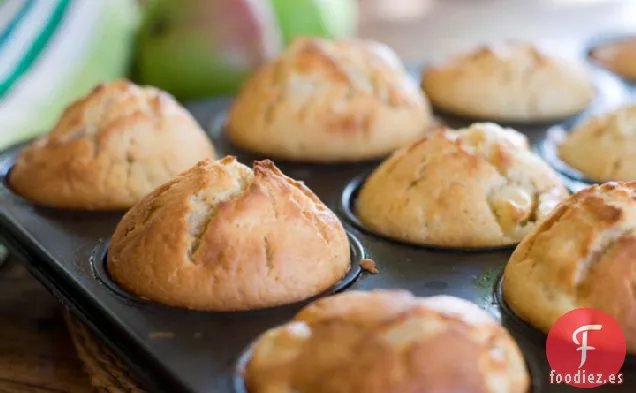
(109, 149)
(603, 148)
(224, 237)
(510, 82)
(387, 341)
(618, 57)
(580, 256)
(329, 101)
(475, 187)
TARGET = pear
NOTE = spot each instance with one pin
(195, 48)
(200, 48)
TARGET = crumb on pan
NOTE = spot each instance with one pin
(161, 335)
(369, 265)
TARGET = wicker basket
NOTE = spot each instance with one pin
(107, 373)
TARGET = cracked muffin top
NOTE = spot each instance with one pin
(475, 187)
(224, 237)
(109, 149)
(511, 82)
(580, 256)
(329, 100)
(387, 341)
(618, 57)
(604, 147)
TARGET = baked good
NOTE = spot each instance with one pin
(580, 256)
(511, 82)
(387, 341)
(224, 237)
(618, 57)
(475, 187)
(602, 148)
(109, 149)
(322, 100)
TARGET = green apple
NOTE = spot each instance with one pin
(200, 48)
(176, 52)
(320, 18)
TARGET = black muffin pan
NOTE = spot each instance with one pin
(176, 350)
(3, 256)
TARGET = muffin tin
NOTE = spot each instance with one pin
(548, 149)
(4, 254)
(176, 350)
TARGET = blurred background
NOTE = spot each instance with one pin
(53, 51)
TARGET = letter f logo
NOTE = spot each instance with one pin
(583, 344)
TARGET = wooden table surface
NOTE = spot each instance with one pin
(36, 354)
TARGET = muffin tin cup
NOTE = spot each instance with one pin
(240, 385)
(217, 129)
(610, 92)
(4, 255)
(534, 368)
(614, 93)
(454, 120)
(514, 322)
(347, 209)
(548, 149)
(98, 262)
(171, 349)
(6, 165)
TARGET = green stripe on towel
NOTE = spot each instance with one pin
(37, 47)
(24, 10)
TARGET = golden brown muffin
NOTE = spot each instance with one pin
(109, 149)
(480, 186)
(580, 256)
(224, 237)
(604, 147)
(513, 82)
(344, 100)
(387, 341)
(618, 57)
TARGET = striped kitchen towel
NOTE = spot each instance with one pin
(54, 51)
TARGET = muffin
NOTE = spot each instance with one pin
(224, 237)
(475, 187)
(602, 148)
(387, 341)
(513, 82)
(580, 256)
(325, 101)
(109, 149)
(618, 57)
